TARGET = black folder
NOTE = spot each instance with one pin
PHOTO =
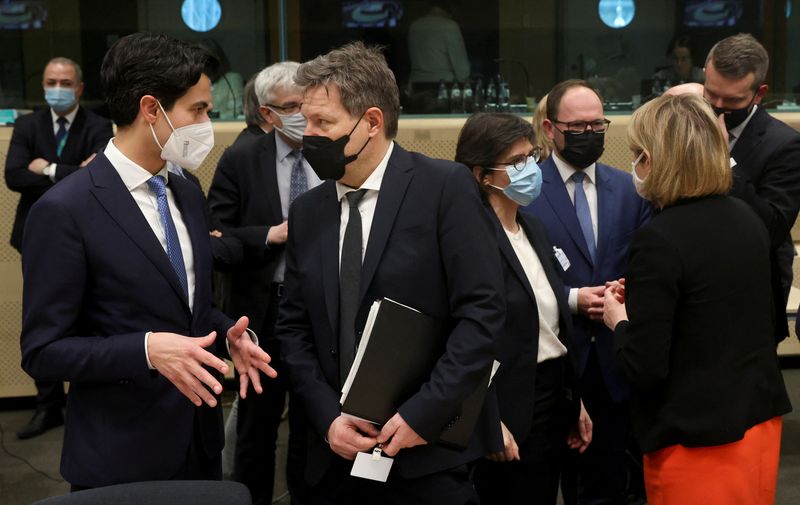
(397, 353)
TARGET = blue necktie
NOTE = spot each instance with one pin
(298, 184)
(61, 135)
(584, 215)
(159, 186)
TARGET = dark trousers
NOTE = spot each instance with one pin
(600, 474)
(257, 425)
(338, 487)
(534, 479)
(50, 395)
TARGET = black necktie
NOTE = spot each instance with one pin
(61, 135)
(349, 280)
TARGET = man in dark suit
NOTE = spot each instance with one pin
(136, 337)
(47, 146)
(425, 240)
(590, 211)
(766, 152)
(256, 180)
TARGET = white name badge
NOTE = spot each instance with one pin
(562, 258)
(372, 466)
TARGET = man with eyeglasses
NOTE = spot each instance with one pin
(255, 183)
(766, 151)
(590, 211)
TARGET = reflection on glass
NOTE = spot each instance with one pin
(616, 13)
(201, 15)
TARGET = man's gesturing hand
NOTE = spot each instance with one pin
(248, 358)
(180, 359)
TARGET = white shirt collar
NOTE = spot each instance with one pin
(70, 117)
(132, 175)
(737, 132)
(566, 170)
(374, 180)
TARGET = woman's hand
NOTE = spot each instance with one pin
(614, 311)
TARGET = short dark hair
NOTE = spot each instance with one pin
(148, 64)
(738, 56)
(680, 40)
(363, 77)
(487, 135)
(559, 90)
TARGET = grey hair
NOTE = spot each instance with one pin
(363, 78)
(66, 61)
(275, 76)
(252, 116)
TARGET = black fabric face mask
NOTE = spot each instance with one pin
(734, 117)
(582, 150)
(326, 156)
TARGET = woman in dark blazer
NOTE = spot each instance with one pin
(534, 383)
(695, 334)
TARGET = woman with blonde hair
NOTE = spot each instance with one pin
(694, 334)
(543, 142)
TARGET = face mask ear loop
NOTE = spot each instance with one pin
(153, 131)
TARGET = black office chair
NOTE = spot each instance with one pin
(174, 492)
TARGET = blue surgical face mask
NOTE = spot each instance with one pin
(525, 184)
(60, 99)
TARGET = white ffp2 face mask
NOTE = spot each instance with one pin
(293, 126)
(188, 145)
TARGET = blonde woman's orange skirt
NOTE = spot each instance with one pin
(740, 473)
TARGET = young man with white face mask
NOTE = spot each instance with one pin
(254, 185)
(47, 146)
(117, 284)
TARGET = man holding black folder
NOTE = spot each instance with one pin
(386, 223)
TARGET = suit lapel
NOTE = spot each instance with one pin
(393, 188)
(605, 209)
(115, 198)
(328, 216)
(752, 136)
(507, 250)
(270, 172)
(555, 192)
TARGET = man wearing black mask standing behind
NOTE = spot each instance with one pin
(766, 151)
(590, 211)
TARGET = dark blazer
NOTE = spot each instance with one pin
(252, 130)
(698, 349)
(88, 239)
(518, 345)
(33, 138)
(620, 212)
(244, 200)
(431, 246)
(767, 177)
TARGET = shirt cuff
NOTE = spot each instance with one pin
(50, 171)
(733, 162)
(253, 338)
(146, 355)
(573, 300)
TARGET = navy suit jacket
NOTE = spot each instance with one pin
(96, 279)
(620, 212)
(431, 247)
(33, 138)
(518, 346)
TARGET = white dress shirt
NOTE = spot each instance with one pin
(590, 188)
(135, 179)
(283, 172)
(549, 345)
(367, 204)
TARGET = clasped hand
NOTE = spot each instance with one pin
(180, 359)
(347, 436)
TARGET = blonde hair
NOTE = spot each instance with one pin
(543, 142)
(686, 147)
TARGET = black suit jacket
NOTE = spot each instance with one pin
(698, 349)
(431, 247)
(244, 200)
(518, 345)
(96, 280)
(767, 177)
(33, 138)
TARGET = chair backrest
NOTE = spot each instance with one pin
(175, 492)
